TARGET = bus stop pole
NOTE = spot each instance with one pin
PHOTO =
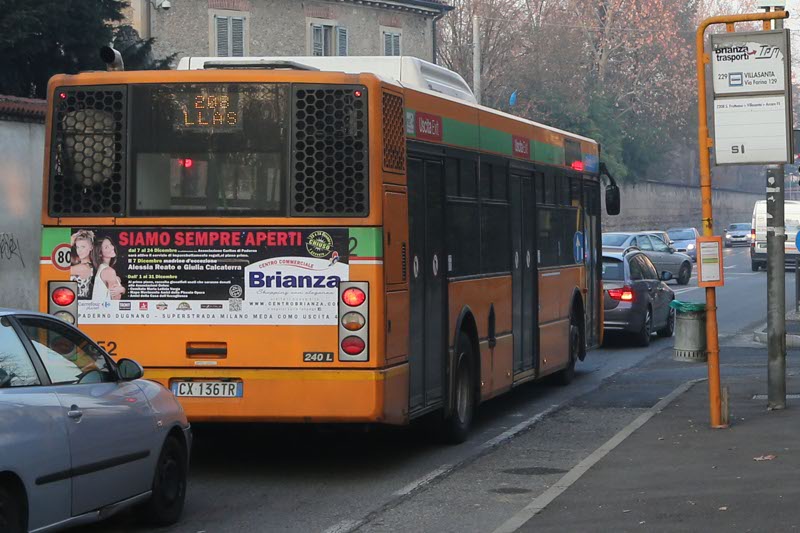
(705, 143)
(712, 336)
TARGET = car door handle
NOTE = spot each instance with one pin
(74, 412)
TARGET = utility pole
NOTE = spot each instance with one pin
(776, 280)
(476, 58)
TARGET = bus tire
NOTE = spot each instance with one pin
(456, 425)
(565, 376)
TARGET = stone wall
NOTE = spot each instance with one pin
(652, 205)
(21, 153)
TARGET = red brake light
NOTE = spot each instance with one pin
(63, 96)
(63, 296)
(625, 294)
(357, 93)
(353, 297)
(186, 163)
(577, 165)
(353, 345)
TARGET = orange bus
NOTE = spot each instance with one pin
(319, 239)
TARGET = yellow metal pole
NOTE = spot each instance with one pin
(705, 142)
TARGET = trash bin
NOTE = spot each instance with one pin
(690, 332)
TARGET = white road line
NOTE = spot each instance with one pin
(424, 480)
(346, 526)
(547, 497)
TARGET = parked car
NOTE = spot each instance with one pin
(82, 436)
(665, 257)
(684, 240)
(738, 234)
(635, 298)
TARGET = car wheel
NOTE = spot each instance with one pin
(11, 514)
(643, 337)
(754, 266)
(684, 274)
(169, 485)
(669, 328)
(564, 377)
(456, 424)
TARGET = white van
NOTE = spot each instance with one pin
(758, 248)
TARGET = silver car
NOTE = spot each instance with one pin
(82, 436)
(663, 255)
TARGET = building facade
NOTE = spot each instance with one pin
(289, 27)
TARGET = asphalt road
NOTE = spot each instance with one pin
(339, 479)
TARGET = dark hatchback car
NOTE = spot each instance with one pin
(635, 298)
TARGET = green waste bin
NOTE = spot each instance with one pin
(690, 332)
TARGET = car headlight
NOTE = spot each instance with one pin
(690, 247)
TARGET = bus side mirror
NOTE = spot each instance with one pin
(612, 199)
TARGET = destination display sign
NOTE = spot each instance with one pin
(749, 62)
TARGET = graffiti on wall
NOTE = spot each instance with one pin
(10, 248)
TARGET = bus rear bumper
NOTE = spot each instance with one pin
(297, 395)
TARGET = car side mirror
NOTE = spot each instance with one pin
(666, 275)
(612, 199)
(671, 249)
(129, 369)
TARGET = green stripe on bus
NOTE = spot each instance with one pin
(52, 237)
(547, 153)
(368, 242)
(474, 137)
(460, 133)
(494, 140)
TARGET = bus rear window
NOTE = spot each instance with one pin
(209, 148)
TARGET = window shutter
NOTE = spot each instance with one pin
(341, 41)
(222, 37)
(317, 37)
(387, 44)
(396, 44)
(237, 37)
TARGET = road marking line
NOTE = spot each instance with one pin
(424, 480)
(547, 497)
(347, 526)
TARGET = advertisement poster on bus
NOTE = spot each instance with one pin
(209, 275)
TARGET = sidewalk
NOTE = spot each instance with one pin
(676, 474)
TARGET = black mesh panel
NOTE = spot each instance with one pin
(330, 151)
(88, 151)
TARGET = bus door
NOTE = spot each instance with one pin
(524, 276)
(591, 209)
(428, 268)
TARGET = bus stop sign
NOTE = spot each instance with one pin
(752, 106)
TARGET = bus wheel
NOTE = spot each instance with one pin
(456, 425)
(564, 377)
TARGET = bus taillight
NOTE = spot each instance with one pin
(63, 301)
(353, 318)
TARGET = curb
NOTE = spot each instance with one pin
(792, 341)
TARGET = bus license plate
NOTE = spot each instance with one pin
(207, 389)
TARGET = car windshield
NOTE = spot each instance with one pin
(739, 227)
(681, 234)
(612, 269)
(614, 239)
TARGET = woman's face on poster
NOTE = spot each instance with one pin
(108, 250)
(83, 248)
